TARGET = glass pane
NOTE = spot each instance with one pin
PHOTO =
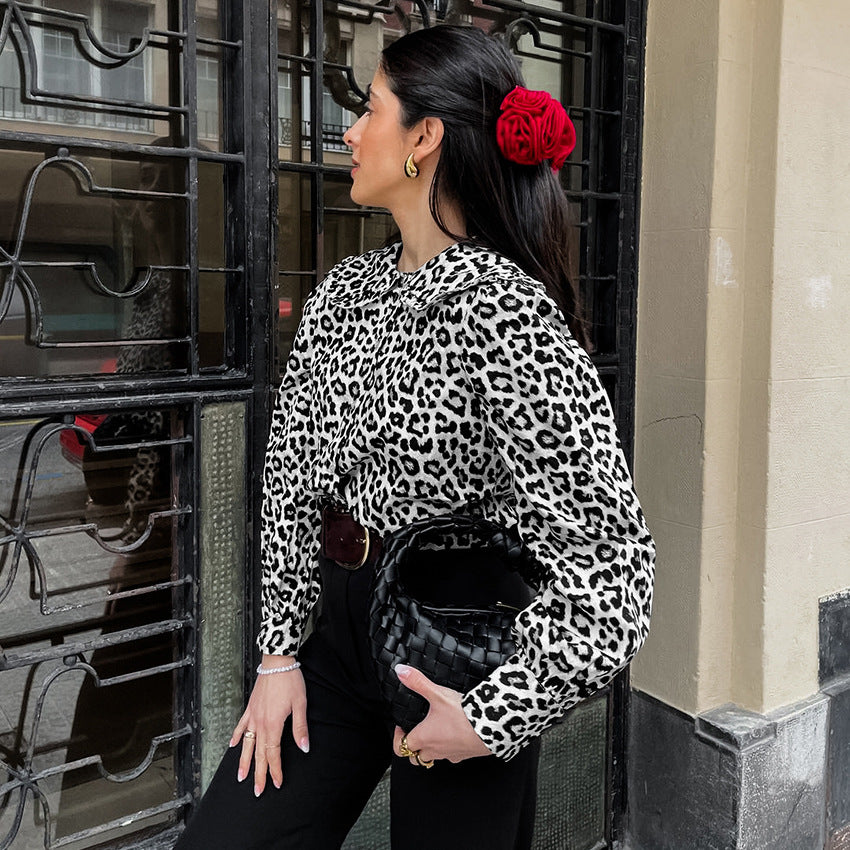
(293, 102)
(212, 258)
(87, 687)
(102, 281)
(350, 229)
(211, 224)
(91, 66)
(217, 72)
(209, 112)
(295, 255)
(292, 292)
(294, 246)
(212, 316)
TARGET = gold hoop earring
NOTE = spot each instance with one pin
(410, 168)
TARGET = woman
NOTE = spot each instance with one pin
(442, 369)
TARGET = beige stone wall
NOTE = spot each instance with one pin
(743, 397)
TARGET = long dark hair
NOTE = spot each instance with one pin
(461, 75)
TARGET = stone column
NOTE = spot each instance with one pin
(743, 426)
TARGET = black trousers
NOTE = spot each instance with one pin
(478, 803)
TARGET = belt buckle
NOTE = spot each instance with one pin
(355, 565)
(336, 505)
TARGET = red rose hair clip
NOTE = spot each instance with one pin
(534, 127)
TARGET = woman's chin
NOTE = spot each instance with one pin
(358, 196)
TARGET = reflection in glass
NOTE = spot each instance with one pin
(208, 107)
(108, 720)
(159, 311)
(294, 247)
(86, 64)
(350, 229)
(217, 59)
(93, 499)
(293, 91)
(98, 265)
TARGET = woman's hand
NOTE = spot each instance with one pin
(273, 699)
(445, 733)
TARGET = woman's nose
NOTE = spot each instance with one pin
(348, 137)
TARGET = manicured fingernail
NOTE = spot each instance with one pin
(232, 743)
(401, 670)
(240, 775)
(304, 746)
(276, 783)
(257, 791)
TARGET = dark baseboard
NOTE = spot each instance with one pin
(728, 779)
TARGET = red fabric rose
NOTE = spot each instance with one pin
(534, 127)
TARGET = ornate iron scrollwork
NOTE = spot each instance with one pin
(13, 267)
(136, 620)
(18, 21)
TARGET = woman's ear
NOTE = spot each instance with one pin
(428, 136)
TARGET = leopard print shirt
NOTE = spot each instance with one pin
(409, 394)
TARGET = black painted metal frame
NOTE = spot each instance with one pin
(250, 186)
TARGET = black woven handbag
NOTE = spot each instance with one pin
(446, 610)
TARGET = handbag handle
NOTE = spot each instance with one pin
(516, 553)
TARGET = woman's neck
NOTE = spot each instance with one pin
(421, 238)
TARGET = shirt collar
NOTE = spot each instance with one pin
(365, 279)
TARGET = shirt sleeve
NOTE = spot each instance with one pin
(290, 520)
(551, 424)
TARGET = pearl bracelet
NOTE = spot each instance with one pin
(263, 671)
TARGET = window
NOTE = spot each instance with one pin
(207, 70)
(336, 119)
(63, 54)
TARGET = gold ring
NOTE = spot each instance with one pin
(251, 735)
(405, 750)
(423, 763)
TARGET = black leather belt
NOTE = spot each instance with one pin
(345, 540)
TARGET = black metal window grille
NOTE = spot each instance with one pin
(131, 247)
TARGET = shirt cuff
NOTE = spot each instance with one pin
(273, 639)
(510, 708)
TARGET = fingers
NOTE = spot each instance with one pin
(416, 680)
(275, 766)
(248, 741)
(240, 727)
(266, 758)
(261, 766)
(404, 747)
(399, 743)
(261, 728)
(299, 725)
